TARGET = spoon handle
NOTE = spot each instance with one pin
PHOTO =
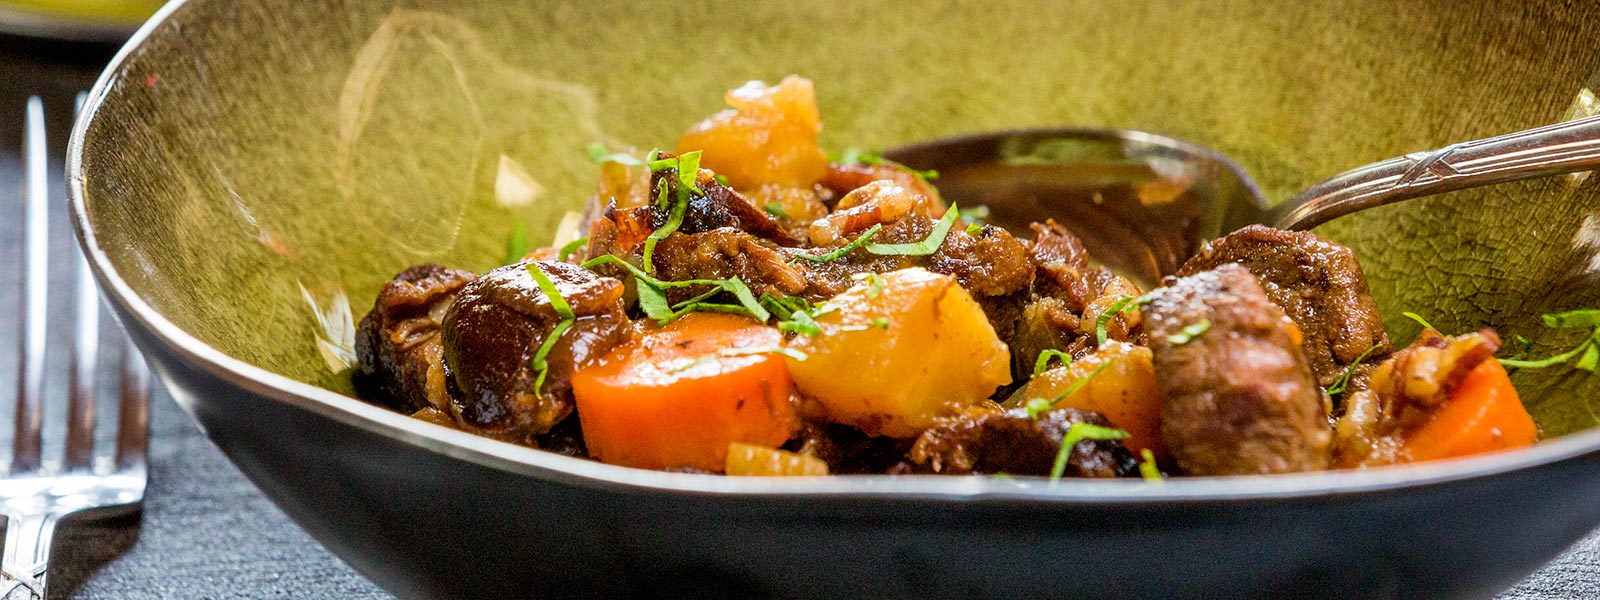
(1565, 147)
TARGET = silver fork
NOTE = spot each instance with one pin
(36, 494)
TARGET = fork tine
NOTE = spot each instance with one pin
(85, 352)
(133, 410)
(30, 371)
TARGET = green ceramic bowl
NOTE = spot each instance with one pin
(243, 161)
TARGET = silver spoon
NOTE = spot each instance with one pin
(1144, 202)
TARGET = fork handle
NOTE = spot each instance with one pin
(26, 554)
(1565, 147)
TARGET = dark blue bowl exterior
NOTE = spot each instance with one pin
(425, 525)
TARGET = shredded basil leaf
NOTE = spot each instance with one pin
(1100, 322)
(1418, 318)
(1587, 362)
(1036, 406)
(786, 352)
(1349, 371)
(704, 359)
(674, 220)
(1188, 334)
(804, 326)
(975, 215)
(776, 210)
(1588, 317)
(874, 283)
(653, 300)
(721, 180)
(1078, 385)
(1147, 468)
(881, 323)
(1551, 361)
(924, 247)
(571, 247)
(1076, 433)
(1002, 477)
(689, 172)
(842, 250)
(600, 154)
(1043, 362)
(974, 229)
(517, 244)
(540, 360)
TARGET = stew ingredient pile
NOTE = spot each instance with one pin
(745, 305)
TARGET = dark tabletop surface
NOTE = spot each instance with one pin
(206, 531)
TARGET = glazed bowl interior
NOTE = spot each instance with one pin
(246, 160)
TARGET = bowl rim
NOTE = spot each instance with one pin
(591, 474)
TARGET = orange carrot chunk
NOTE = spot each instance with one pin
(1483, 414)
(678, 395)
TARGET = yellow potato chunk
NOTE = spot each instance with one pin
(769, 138)
(897, 353)
(760, 461)
(1117, 381)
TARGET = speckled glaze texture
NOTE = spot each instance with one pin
(244, 150)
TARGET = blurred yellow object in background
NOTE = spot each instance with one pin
(90, 20)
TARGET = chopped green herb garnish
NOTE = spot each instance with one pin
(1418, 318)
(776, 210)
(975, 215)
(1188, 334)
(1588, 317)
(571, 247)
(1041, 363)
(1587, 361)
(925, 247)
(1078, 385)
(874, 283)
(600, 154)
(787, 352)
(859, 156)
(1036, 406)
(517, 244)
(1349, 371)
(1117, 307)
(878, 323)
(540, 361)
(842, 250)
(974, 229)
(803, 326)
(1002, 477)
(1587, 352)
(1525, 345)
(674, 220)
(1551, 361)
(1076, 433)
(689, 171)
(653, 300)
(1147, 468)
(705, 359)
(723, 181)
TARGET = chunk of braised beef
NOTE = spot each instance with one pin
(993, 441)
(724, 253)
(1064, 272)
(715, 206)
(496, 326)
(991, 263)
(1237, 394)
(1317, 282)
(399, 358)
